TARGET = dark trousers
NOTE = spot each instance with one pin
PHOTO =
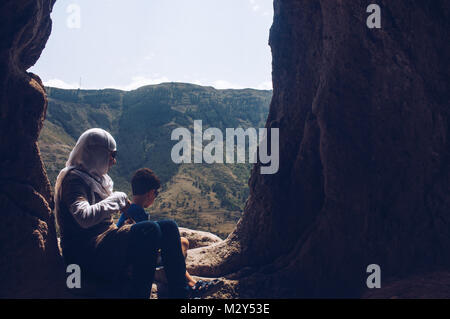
(147, 238)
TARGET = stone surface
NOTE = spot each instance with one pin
(364, 153)
(30, 265)
(434, 285)
(195, 260)
(199, 238)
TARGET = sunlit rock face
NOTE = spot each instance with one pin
(364, 157)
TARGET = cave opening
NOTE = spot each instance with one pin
(364, 160)
(112, 65)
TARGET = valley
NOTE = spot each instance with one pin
(208, 197)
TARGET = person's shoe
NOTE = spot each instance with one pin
(203, 286)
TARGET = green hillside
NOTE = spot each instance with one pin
(203, 196)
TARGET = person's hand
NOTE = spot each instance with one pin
(129, 221)
(127, 206)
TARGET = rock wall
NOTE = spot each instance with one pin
(364, 153)
(30, 265)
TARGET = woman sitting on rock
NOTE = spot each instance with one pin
(84, 205)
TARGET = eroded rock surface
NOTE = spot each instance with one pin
(30, 264)
(364, 152)
(199, 238)
(196, 259)
(435, 285)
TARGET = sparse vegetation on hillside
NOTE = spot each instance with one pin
(203, 196)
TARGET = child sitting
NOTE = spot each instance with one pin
(145, 185)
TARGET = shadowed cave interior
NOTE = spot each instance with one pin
(364, 159)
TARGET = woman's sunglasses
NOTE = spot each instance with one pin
(114, 154)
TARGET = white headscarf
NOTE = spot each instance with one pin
(89, 159)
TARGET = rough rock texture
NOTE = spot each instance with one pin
(30, 264)
(364, 153)
(434, 285)
(364, 158)
(199, 238)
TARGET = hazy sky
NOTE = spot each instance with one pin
(128, 44)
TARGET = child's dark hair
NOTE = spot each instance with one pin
(143, 181)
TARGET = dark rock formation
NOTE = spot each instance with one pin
(426, 286)
(364, 151)
(364, 157)
(30, 265)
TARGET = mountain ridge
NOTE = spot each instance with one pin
(141, 121)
